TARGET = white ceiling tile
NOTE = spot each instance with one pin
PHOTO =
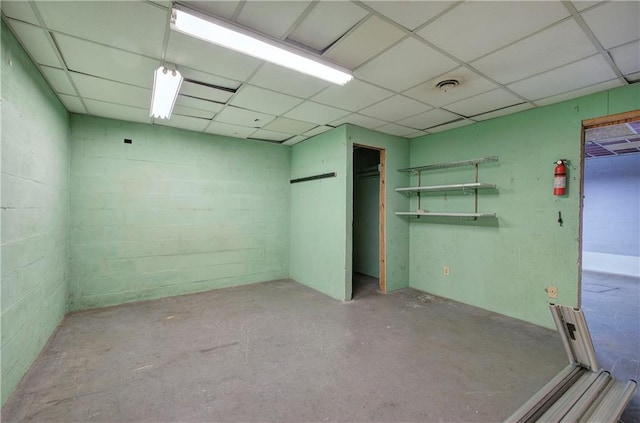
(452, 125)
(36, 42)
(369, 39)
(315, 112)
(205, 92)
(410, 14)
(133, 26)
(318, 130)
(353, 96)
(273, 18)
(607, 85)
(503, 112)
(614, 23)
(634, 77)
(287, 81)
(395, 108)
(207, 78)
(72, 103)
(262, 134)
(428, 119)
(243, 117)
(106, 62)
(190, 111)
(20, 10)
(183, 122)
(624, 146)
(289, 126)
(483, 103)
(589, 71)
(229, 130)
(117, 111)
(494, 24)
(405, 65)
(262, 100)
(210, 58)
(417, 134)
(471, 84)
(223, 9)
(581, 5)
(198, 103)
(360, 120)
(113, 92)
(627, 57)
(326, 23)
(398, 130)
(295, 140)
(535, 54)
(58, 80)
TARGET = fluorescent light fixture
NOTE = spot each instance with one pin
(166, 84)
(233, 39)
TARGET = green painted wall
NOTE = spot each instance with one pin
(397, 228)
(504, 264)
(172, 213)
(322, 210)
(34, 212)
(318, 214)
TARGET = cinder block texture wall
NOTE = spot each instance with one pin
(35, 212)
(173, 212)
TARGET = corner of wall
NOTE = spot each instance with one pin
(35, 212)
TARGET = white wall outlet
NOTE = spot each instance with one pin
(552, 292)
(445, 270)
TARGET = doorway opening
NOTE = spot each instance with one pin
(610, 242)
(368, 242)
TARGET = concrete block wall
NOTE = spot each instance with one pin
(34, 212)
(173, 212)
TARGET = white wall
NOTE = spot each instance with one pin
(611, 222)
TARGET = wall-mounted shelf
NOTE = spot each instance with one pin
(469, 162)
(469, 186)
(424, 213)
(451, 187)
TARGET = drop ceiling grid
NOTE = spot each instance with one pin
(91, 47)
(282, 16)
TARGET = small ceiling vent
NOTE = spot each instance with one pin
(448, 84)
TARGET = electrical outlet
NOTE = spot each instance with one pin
(445, 271)
(552, 292)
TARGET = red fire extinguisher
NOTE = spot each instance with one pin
(560, 178)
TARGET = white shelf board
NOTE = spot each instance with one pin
(449, 187)
(415, 213)
(450, 164)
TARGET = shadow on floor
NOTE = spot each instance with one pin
(364, 286)
(611, 304)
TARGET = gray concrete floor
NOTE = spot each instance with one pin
(279, 351)
(612, 308)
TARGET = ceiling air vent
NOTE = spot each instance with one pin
(448, 84)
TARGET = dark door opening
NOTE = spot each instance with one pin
(368, 233)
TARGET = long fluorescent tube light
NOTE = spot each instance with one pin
(166, 84)
(222, 35)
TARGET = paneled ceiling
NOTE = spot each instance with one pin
(99, 57)
(613, 140)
